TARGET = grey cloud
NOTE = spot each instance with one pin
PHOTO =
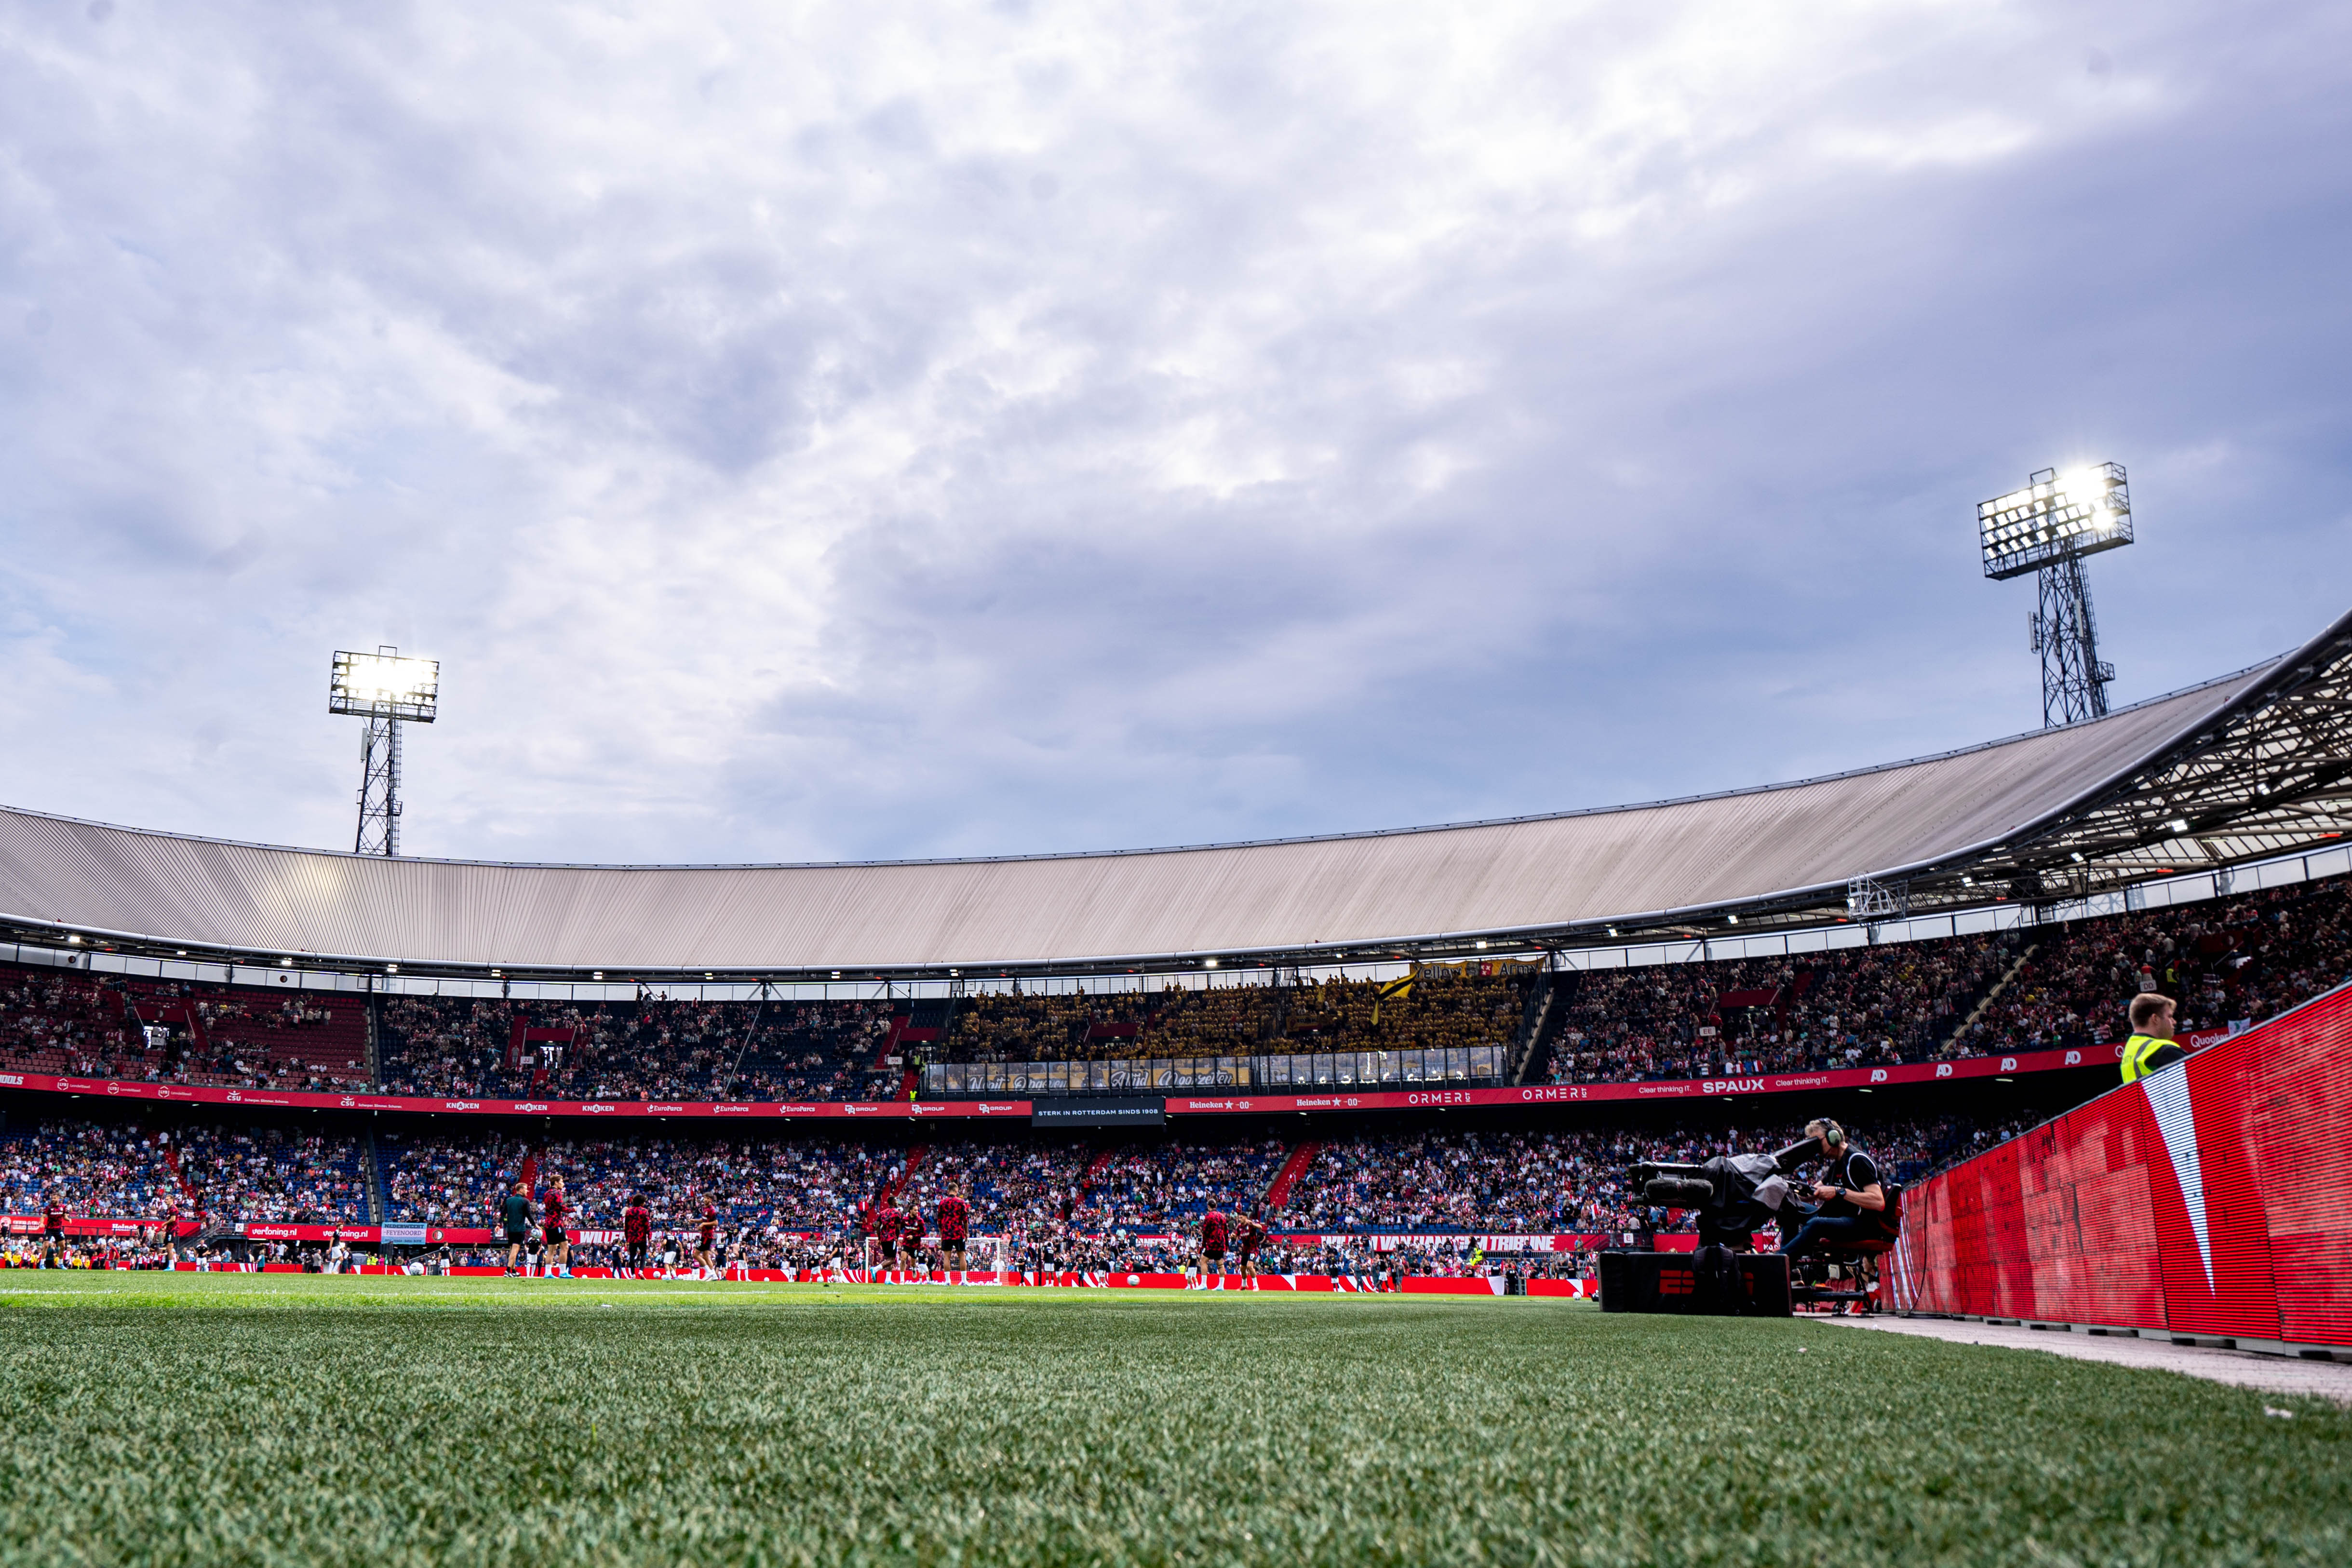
(1061, 429)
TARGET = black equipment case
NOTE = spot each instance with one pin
(1697, 1282)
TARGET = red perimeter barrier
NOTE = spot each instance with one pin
(2213, 1197)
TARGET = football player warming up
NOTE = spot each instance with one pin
(637, 1234)
(706, 1242)
(557, 1251)
(1213, 1247)
(1249, 1235)
(955, 1218)
(514, 1217)
(885, 1235)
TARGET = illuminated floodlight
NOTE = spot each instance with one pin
(2079, 512)
(384, 685)
(387, 691)
(2048, 528)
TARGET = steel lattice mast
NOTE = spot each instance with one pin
(2048, 528)
(387, 691)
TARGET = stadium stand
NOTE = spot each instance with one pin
(270, 1173)
(177, 1031)
(791, 1186)
(650, 1050)
(1559, 1182)
(1465, 1183)
(2240, 957)
(2243, 958)
(1848, 1009)
(1157, 1187)
(90, 1167)
(1445, 1006)
(212, 1171)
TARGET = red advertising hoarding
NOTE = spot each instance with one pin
(2211, 1198)
(1345, 1283)
(298, 1100)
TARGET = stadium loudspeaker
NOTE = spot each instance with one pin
(1681, 1282)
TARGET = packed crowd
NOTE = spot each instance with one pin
(1467, 1182)
(62, 1022)
(653, 1049)
(273, 1173)
(1356, 1206)
(91, 1168)
(1846, 1008)
(1561, 1182)
(75, 1024)
(786, 1187)
(2232, 960)
(1159, 1187)
(197, 1172)
(1439, 1006)
(2235, 959)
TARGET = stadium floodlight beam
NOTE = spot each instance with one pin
(387, 691)
(2048, 528)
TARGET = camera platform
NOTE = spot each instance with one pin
(1676, 1282)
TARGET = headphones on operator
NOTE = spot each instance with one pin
(1832, 1136)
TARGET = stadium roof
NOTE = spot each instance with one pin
(2249, 765)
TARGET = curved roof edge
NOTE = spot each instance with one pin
(1342, 837)
(1774, 849)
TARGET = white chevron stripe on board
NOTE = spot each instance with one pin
(2168, 1096)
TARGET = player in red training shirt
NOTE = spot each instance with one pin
(1249, 1235)
(636, 1232)
(886, 1221)
(706, 1244)
(53, 1235)
(955, 1219)
(557, 1252)
(1213, 1247)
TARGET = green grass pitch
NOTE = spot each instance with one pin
(302, 1419)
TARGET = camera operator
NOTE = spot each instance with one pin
(1848, 1189)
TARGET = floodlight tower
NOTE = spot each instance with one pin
(2048, 527)
(387, 691)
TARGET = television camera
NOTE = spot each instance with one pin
(1732, 1195)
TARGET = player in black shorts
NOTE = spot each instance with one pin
(1248, 1236)
(955, 1222)
(636, 1231)
(514, 1215)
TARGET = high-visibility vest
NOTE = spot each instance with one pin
(2136, 1052)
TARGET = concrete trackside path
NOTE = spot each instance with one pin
(2273, 1374)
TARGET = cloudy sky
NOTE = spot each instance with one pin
(882, 430)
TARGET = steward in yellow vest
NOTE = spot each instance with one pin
(2152, 1045)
